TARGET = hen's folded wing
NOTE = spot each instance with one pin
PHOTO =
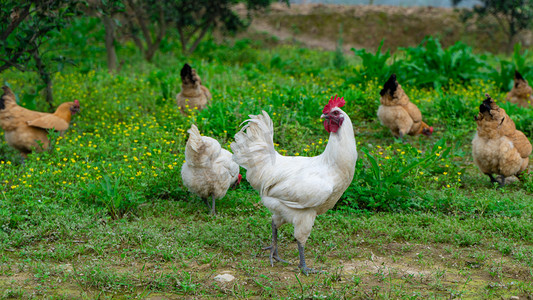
(299, 192)
(225, 158)
(49, 122)
(521, 143)
(414, 112)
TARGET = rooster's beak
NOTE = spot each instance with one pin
(324, 116)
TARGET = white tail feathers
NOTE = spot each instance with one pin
(195, 148)
(254, 143)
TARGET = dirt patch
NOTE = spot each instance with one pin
(441, 270)
(383, 265)
(362, 26)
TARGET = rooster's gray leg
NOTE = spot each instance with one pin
(492, 179)
(274, 247)
(302, 264)
(213, 211)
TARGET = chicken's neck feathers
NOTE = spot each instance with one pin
(64, 114)
(341, 148)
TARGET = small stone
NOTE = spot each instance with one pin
(515, 298)
(225, 278)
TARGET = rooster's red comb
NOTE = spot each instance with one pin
(335, 101)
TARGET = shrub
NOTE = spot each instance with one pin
(374, 66)
(431, 65)
(379, 182)
(503, 78)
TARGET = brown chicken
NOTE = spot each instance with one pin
(399, 114)
(498, 148)
(521, 93)
(193, 93)
(26, 130)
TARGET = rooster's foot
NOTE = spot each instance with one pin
(303, 266)
(274, 255)
(307, 271)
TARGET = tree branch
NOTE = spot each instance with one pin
(8, 64)
(140, 19)
(199, 38)
(15, 22)
(136, 40)
(162, 27)
(182, 39)
(45, 76)
(109, 26)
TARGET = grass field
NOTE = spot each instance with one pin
(104, 214)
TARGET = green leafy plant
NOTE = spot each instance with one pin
(380, 184)
(503, 77)
(429, 64)
(160, 79)
(373, 65)
(114, 196)
(339, 61)
(520, 59)
(452, 109)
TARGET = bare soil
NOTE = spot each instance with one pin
(361, 26)
(395, 267)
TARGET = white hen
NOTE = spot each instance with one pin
(297, 189)
(209, 170)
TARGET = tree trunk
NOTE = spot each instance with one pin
(182, 40)
(510, 45)
(154, 45)
(199, 38)
(150, 46)
(16, 19)
(45, 77)
(110, 27)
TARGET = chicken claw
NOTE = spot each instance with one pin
(303, 266)
(274, 247)
(308, 271)
(274, 254)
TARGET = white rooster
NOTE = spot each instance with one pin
(209, 170)
(297, 189)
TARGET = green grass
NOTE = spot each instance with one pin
(104, 213)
